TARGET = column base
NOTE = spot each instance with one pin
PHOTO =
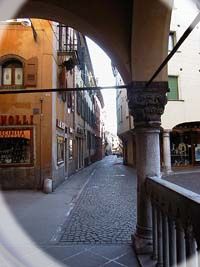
(167, 171)
(142, 241)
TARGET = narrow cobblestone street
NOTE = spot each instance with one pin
(106, 210)
(86, 222)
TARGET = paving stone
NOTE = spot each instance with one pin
(128, 260)
(85, 259)
(61, 253)
(111, 252)
(114, 264)
(106, 209)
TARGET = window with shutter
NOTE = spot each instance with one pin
(7, 76)
(31, 67)
(78, 102)
(11, 73)
(82, 106)
(173, 86)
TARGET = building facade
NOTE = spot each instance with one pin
(45, 137)
(180, 135)
(124, 124)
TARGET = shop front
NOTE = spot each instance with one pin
(185, 145)
(16, 146)
(17, 152)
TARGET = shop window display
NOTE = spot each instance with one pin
(180, 154)
(197, 152)
(60, 149)
(15, 147)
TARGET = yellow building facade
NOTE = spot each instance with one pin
(45, 137)
(32, 128)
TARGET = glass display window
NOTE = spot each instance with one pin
(60, 149)
(16, 147)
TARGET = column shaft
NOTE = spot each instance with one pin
(148, 164)
(146, 104)
(166, 152)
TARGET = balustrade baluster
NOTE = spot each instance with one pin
(172, 243)
(160, 238)
(165, 235)
(180, 243)
(198, 254)
(155, 232)
(191, 248)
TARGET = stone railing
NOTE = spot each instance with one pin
(176, 224)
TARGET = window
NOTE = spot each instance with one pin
(88, 140)
(78, 102)
(16, 147)
(173, 86)
(60, 149)
(121, 114)
(69, 100)
(12, 73)
(70, 149)
(82, 107)
(127, 109)
(171, 41)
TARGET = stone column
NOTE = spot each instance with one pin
(146, 104)
(166, 152)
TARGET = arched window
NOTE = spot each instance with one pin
(12, 73)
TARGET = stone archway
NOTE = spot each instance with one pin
(134, 34)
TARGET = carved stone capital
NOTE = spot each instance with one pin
(146, 104)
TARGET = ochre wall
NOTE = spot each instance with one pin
(18, 40)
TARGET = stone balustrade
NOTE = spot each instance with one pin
(175, 222)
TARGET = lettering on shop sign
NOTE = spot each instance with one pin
(16, 120)
(12, 134)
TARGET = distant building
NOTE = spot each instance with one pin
(46, 136)
(112, 144)
(124, 124)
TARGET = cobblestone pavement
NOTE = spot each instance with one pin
(102, 209)
(106, 210)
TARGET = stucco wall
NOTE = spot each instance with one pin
(17, 40)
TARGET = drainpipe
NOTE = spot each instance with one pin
(41, 115)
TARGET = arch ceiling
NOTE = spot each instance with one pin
(133, 33)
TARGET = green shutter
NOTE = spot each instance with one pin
(173, 86)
